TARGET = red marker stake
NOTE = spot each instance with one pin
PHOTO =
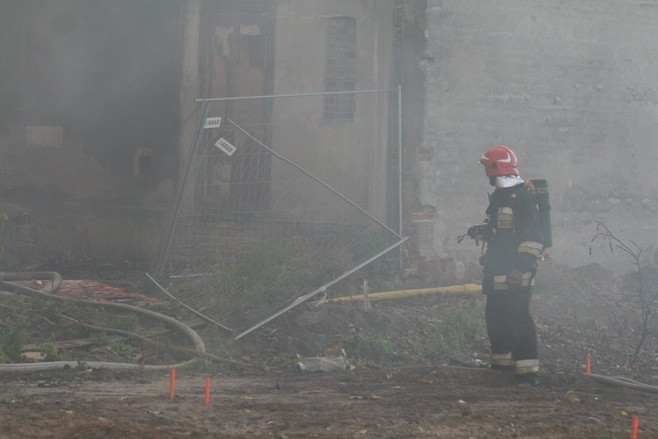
(172, 383)
(588, 366)
(635, 424)
(206, 396)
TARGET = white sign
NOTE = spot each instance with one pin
(225, 146)
(212, 122)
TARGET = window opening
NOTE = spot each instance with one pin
(340, 69)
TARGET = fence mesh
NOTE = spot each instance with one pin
(274, 211)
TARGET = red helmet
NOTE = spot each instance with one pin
(499, 160)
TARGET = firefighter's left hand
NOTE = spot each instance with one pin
(514, 278)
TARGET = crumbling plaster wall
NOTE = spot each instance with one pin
(301, 52)
(572, 87)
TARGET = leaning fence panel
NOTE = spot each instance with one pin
(273, 210)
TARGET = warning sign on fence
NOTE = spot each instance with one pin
(212, 122)
(225, 146)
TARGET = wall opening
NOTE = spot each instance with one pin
(340, 69)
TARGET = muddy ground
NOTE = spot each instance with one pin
(256, 391)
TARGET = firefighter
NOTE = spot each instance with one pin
(514, 244)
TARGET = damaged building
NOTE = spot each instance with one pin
(99, 111)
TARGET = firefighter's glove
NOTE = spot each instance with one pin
(514, 279)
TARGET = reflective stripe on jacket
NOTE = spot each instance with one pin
(500, 281)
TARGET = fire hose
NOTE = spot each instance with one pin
(624, 382)
(11, 279)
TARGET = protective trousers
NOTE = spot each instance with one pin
(511, 330)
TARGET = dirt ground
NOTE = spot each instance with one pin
(575, 310)
(391, 402)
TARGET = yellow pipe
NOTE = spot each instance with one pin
(405, 294)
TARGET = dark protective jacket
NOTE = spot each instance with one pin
(514, 238)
